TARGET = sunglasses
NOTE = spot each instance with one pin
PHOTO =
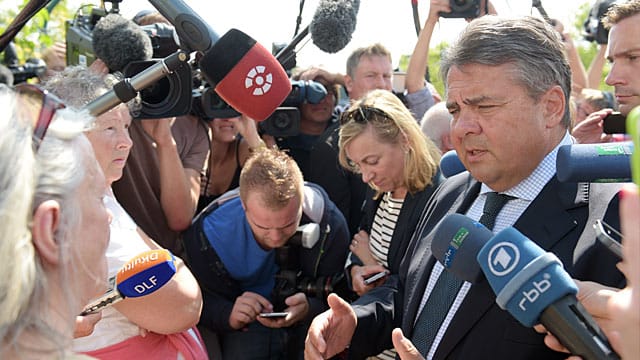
(362, 114)
(41, 105)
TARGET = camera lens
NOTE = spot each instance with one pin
(461, 5)
(281, 121)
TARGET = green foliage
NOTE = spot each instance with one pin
(40, 32)
(434, 67)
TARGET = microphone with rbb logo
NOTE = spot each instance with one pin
(530, 284)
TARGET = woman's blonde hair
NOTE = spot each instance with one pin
(392, 123)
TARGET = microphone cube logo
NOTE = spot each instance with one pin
(503, 258)
(258, 80)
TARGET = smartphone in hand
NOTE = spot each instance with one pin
(614, 123)
(609, 237)
(375, 277)
(274, 315)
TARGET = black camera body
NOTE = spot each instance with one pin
(467, 9)
(171, 96)
(284, 122)
(594, 30)
(30, 69)
(290, 280)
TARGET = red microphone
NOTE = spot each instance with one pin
(140, 276)
(246, 75)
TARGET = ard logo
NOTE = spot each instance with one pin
(503, 258)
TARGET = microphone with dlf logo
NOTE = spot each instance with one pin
(140, 276)
(530, 283)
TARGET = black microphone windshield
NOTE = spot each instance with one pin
(333, 24)
(118, 41)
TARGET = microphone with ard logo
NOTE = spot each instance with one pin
(533, 286)
(531, 283)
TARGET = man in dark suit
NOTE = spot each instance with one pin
(508, 86)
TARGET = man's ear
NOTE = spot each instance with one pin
(554, 105)
(46, 220)
(348, 83)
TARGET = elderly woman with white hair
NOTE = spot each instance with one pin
(160, 325)
(54, 228)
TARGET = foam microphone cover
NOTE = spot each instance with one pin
(450, 164)
(456, 243)
(118, 41)
(145, 273)
(333, 23)
(606, 162)
(246, 75)
(525, 278)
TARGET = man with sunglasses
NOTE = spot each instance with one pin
(508, 84)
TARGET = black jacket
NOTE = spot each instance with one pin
(555, 220)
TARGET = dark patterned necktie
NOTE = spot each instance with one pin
(447, 286)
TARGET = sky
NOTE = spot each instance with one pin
(389, 22)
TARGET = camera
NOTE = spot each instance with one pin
(467, 9)
(285, 121)
(290, 280)
(170, 96)
(594, 30)
(30, 69)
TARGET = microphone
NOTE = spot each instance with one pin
(533, 286)
(450, 164)
(333, 24)
(243, 72)
(140, 276)
(118, 41)
(605, 162)
(456, 242)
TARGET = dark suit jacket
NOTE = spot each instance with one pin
(480, 329)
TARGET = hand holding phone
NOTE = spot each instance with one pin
(375, 277)
(604, 234)
(614, 123)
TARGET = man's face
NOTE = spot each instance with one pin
(372, 72)
(624, 54)
(499, 132)
(111, 142)
(272, 228)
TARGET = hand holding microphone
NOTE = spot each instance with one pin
(530, 283)
(140, 276)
